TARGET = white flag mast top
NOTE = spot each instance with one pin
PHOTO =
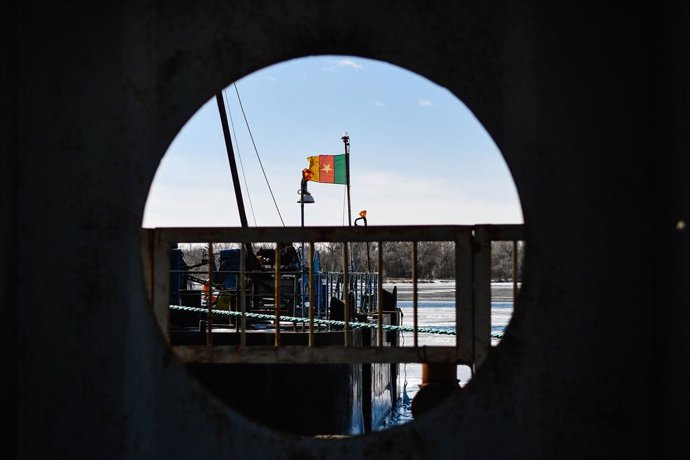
(346, 141)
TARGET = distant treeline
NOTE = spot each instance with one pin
(435, 259)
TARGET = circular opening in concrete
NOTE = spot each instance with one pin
(417, 156)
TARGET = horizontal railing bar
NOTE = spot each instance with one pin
(296, 354)
(505, 232)
(335, 234)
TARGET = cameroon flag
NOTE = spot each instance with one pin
(329, 169)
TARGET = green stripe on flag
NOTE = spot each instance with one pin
(340, 176)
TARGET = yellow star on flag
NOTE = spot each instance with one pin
(326, 168)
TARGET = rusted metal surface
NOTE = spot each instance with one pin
(289, 354)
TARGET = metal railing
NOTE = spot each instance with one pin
(472, 293)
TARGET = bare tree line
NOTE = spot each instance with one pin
(435, 259)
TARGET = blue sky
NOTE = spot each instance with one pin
(417, 154)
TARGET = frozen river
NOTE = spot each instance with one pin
(436, 309)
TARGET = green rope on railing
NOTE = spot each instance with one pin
(352, 325)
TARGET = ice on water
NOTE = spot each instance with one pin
(436, 308)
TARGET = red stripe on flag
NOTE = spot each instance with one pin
(326, 169)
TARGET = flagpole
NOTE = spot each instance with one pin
(346, 141)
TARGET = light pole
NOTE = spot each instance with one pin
(304, 198)
(363, 218)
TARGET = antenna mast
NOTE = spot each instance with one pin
(231, 158)
(346, 141)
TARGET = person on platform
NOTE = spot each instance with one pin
(288, 256)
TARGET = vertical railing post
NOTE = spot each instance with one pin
(515, 259)
(243, 297)
(379, 294)
(464, 296)
(311, 294)
(415, 295)
(161, 283)
(482, 292)
(209, 299)
(276, 295)
(346, 292)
